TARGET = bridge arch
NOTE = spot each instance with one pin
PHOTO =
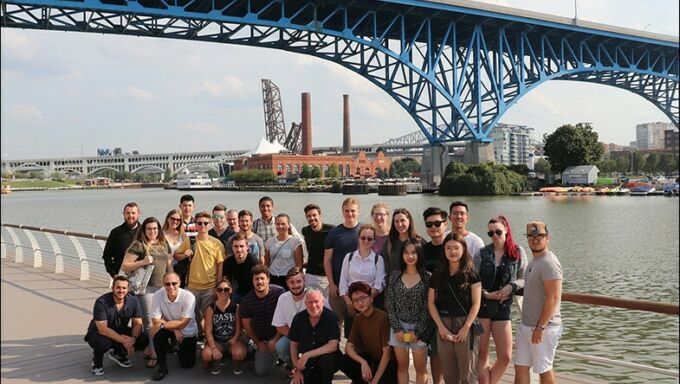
(188, 167)
(102, 168)
(148, 167)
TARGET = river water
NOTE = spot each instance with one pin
(619, 246)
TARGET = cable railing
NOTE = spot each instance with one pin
(70, 250)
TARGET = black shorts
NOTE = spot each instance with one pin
(503, 313)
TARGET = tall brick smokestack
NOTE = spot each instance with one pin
(346, 134)
(306, 124)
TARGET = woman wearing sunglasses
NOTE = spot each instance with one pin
(222, 330)
(173, 230)
(148, 259)
(501, 266)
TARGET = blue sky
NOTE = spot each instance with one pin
(64, 94)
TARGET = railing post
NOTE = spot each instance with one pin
(3, 247)
(84, 264)
(18, 251)
(37, 254)
(58, 256)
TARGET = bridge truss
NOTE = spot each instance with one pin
(456, 70)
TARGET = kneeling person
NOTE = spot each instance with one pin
(109, 326)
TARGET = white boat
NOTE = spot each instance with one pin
(195, 180)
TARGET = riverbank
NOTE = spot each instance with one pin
(47, 185)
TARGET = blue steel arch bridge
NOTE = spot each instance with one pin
(455, 66)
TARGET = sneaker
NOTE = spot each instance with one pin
(123, 361)
(237, 369)
(159, 374)
(97, 371)
(215, 368)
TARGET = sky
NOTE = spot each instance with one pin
(66, 94)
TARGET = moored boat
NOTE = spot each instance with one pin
(6, 189)
(642, 190)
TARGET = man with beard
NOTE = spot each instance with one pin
(257, 312)
(541, 326)
(109, 326)
(220, 229)
(315, 239)
(314, 338)
(120, 239)
(255, 243)
(459, 216)
(238, 267)
(290, 304)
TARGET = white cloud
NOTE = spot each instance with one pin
(19, 45)
(139, 93)
(228, 85)
(200, 128)
(25, 113)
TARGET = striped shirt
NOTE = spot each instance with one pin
(261, 311)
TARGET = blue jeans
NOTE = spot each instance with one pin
(283, 350)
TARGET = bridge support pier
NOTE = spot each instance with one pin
(478, 152)
(433, 164)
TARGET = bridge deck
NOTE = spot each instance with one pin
(44, 317)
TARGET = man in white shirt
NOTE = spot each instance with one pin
(459, 216)
(289, 304)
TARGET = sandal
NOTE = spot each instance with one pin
(152, 362)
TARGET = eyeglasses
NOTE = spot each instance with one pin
(436, 223)
(498, 232)
(380, 214)
(203, 223)
(536, 237)
(171, 283)
(218, 217)
(366, 238)
(454, 213)
(360, 299)
(175, 219)
(222, 290)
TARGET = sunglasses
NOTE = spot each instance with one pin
(437, 223)
(366, 238)
(218, 217)
(203, 223)
(175, 219)
(536, 237)
(497, 232)
(223, 290)
(172, 283)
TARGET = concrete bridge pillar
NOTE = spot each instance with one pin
(433, 164)
(477, 152)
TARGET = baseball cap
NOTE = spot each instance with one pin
(537, 228)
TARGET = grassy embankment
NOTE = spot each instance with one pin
(17, 184)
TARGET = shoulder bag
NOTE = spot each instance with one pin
(477, 329)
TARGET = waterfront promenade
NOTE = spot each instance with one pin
(44, 318)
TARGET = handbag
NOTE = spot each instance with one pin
(139, 279)
(477, 329)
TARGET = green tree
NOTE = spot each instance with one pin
(542, 166)
(481, 179)
(411, 166)
(522, 169)
(306, 171)
(667, 163)
(572, 145)
(639, 162)
(167, 175)
(316, 172)
(57, 176)
(652, 163)
(333, 171)
(622, 164)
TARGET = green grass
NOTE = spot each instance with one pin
(38, 183)
(605, 181)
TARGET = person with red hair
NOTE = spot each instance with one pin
(501, 267)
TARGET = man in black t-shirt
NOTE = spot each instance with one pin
(109, 326)
(238, 267)
(315, 239)
(120, 239)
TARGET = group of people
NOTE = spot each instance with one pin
(232, 286)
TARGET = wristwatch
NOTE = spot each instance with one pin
(162, 326)
(540, 326)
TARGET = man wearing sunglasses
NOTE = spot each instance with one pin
(220, 230)
(541, 326)
(172, 315)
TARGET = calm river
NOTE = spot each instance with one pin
(620, 246)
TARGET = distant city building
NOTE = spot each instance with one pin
(651, 135)
(611, 147)
(512, 143)
(633, 144)
(671, 140)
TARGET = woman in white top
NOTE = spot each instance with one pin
(282, 252)
(173, 230)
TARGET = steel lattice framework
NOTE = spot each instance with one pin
(454, 68)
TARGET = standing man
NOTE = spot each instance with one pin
(368, 356)
(172, 315)
(255, 243)
(238, 268)
(264, 226)
(541, 326)
(341, 240)
(220, 229)
(232, 220)
(314, 338)
(109, 327)
(257, 313)
(186, 207)
(459, 216)
(205, 269)
(315, 240)
(290, 304)
(120, 239)
(436, 225)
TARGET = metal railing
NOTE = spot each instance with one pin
(70, 250)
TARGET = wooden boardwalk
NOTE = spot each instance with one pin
(44, 318)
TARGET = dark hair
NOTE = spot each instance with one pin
(510, 245)
(294, 271)
(290, 226)
(131, 204)
(204, 214)
(358, 287)
(441, 272)
(224, 280)
(219, 207)
(264, 199)
(259, 269)
(394, 234)
(141, 235)
(186, 198)
(310, 207)
(459, 204)
(420, 263)
(120, 278)
(238, 237)
(245, 212)
(435, 211)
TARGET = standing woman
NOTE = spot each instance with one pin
(406, 301)
(173, 230)
(222, 330)
(453, 301)
(402, 229)
(380, 213)
(361, 265)
(150, 251)
(501, 266)
(282, 252)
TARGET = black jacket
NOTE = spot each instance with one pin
(118, 242)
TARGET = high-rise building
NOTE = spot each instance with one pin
(651, 135)
(672, 141)
(512, 143)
